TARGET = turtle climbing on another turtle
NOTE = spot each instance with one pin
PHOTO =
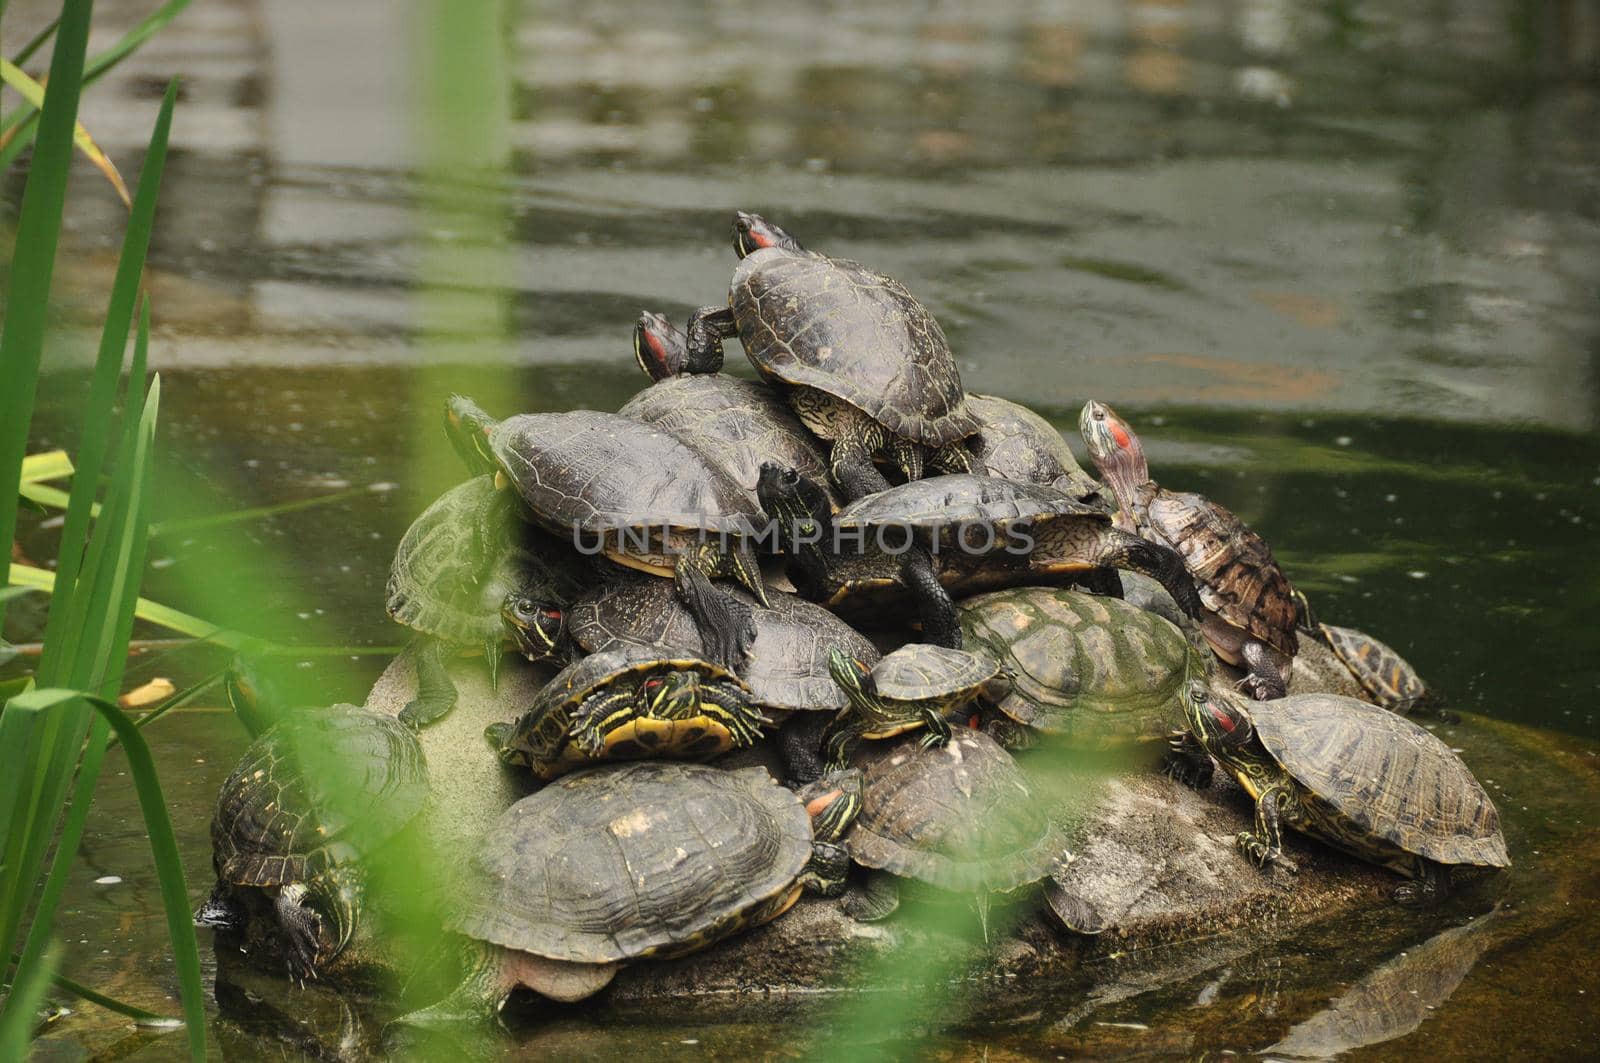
(1358, 777)
(863, 363)
(917, 686)
(312, 797)
(1250, 612)
(555, 899)
(630, 702)
(467, 576)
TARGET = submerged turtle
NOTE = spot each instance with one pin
(961, 817)
(987, 532)
(1015, 443)
(1388, 679)
(1086, 670)
(918, 685)
(865, 365)
(312, 796)
(1359, 777)
(736, 424)
(463, 570)
(630, 702)
(1250, 613)
(627, 862)
(642, 497)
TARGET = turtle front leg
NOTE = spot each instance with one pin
(952, 457)
(938, 728)
(941, 623)
(726, 702)
(1118, 549)
(908, 456)
(436, 692)
(1264, 845)
(1431, 885)
(708, 327)
(850, 458)
(840, 740)
(727, 625)
(800, 747)
(599, 715)
(1187, 761)
(301, 928)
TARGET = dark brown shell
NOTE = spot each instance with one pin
(1232, 566)
(1015, 443)
(624, 861)
(736, 424)
(960, 816)
(787, 667)
(1392, 779)
(595, 472)
(834, 325)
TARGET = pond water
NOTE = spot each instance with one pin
(1339, 264)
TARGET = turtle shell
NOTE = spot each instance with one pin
(959, 816)
(834, 325)
(1392, 779)
(1232, 566)
(1385, 675)
(1087, 668)
(921, 671)
(591, 472)
(960, 498)
(317, 789)
(1015, 443)
(736, 424)
(787, 667)
(644, 859)
(437, 584)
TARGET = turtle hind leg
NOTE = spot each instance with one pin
(877, 898)
(800, 747)
(1430, 887)
(941, 624)
(952, 457)
(1265, 680)
(1119, 549)
(727, 625)
(708, 327)
(301, 928)
(436, 692)
(850, 458)
(908, 456)
(1102, 581)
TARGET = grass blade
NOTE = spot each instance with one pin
(51, 465)
(27, 50)
(41, 579)
(33, 92)
(140, 1016)
(27, 996)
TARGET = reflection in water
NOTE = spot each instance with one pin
(1394, 999)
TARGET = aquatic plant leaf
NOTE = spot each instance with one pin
(33, 92)
(27, 996)
(44, 580)
(51, 465)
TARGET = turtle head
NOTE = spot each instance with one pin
(467, 426)
(1218, 720)
(673, 696)
(752, 232)
(833, 803)
(658, 346)
(797, 503)
(538, 628)
(1113, 447)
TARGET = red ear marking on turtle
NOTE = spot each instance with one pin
(817, 805)
(1119, 433)
(1224, 721)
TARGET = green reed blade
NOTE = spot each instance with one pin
(27, 996)
(26, 51)
(51, 465)
(140, 1016)
(45, 580)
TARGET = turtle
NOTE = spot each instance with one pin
(864, 364)
(736, 424)
(1358, 777)
(625, 862)
(1250, 613)
(1386, 677)
(1015, 443)
(961, 817)
(634, 493)
(1086, 671)
(947, 536)
(312, 796)
(787, 671)
(629, 702)
(460, 572)
(918, 685)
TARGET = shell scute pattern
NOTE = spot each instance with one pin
(1015, 443)
(858, 335)
(923, 670)
(945, 501)
(1233, 566)
(960, 816)
(1391, 778)
(645, 859)
(1384, 674)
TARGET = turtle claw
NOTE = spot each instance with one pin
(1261, 854)
(301, 945)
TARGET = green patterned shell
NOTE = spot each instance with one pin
(318, 789)
(923, 671)
(736, 424)
(830, 324)
(1015, 443)
(1385, 675)
(1084, 667)
(651, 858)
(938, 502)
(434, 583)
(787, 667)
(1392, 779)
(961, 816)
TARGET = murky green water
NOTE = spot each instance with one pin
(1340, 265)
